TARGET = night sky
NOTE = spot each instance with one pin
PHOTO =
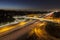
(33, 4)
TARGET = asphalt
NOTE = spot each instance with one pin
(18, 32)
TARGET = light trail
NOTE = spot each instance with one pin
(47, 17)
(43, 19)
(41, 33)
(20, 32)
(39, 29)
(9, 27)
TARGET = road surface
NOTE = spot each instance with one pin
(13, 35)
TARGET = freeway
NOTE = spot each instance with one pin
(8, 28)
(41, 19)
(18, 32)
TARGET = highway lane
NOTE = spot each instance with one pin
(18, 32)
(55, 20)
(9, 28)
